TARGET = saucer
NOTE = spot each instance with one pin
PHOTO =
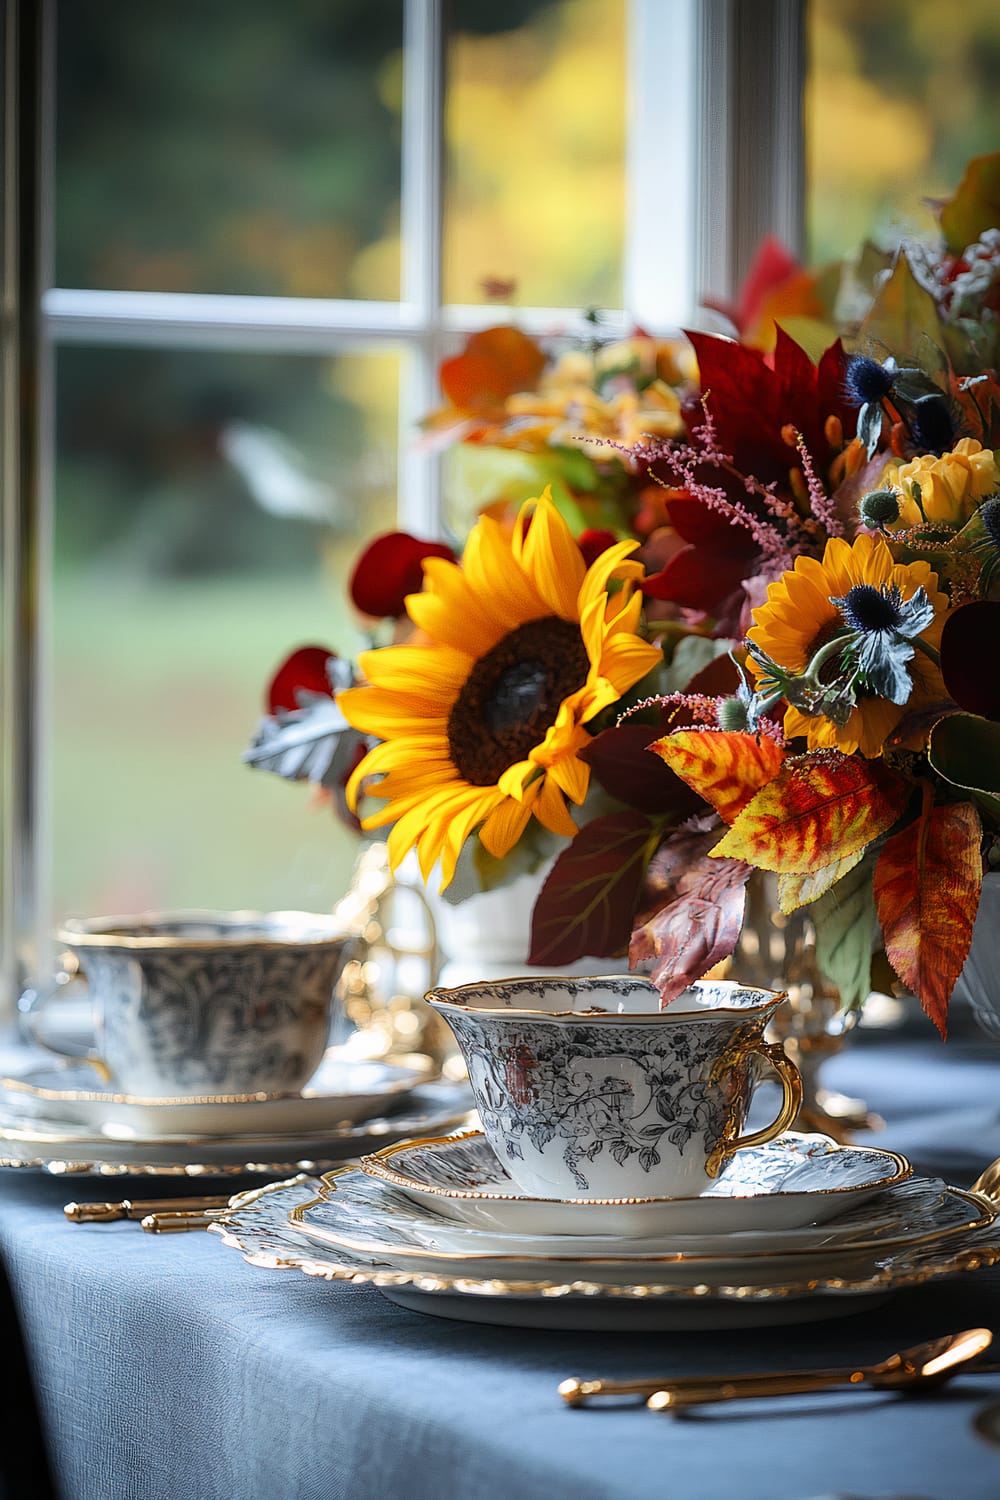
(343, 1091)
(788, 1182)
(63, 1149)
(357, 1213)
(256, 1224)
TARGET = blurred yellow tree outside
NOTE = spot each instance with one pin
(535, 181)
(899, 95)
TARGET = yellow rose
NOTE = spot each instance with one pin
(950, 486)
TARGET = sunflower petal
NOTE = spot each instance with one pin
(505, 825)
(553, 560)
(504, 592)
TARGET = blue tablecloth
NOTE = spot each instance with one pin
(165, 1367)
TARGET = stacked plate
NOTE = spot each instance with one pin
(62, 1118)
(797, 1228)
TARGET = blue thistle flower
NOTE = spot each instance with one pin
(865, 380)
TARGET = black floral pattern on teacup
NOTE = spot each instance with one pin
(212, 1020)
(622, 1090)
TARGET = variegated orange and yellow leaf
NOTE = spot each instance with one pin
(795, 890)
(927, 884)
(818, 809)
(727, 769)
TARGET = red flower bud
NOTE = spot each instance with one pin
(388, 569)
(304, 671)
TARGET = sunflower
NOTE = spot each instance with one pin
(857, 584)
(482, 724)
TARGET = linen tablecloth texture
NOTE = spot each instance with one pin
(167, 1367)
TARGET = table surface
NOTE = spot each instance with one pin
(165, 1366)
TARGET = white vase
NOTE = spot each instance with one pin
(488, 936)
(979, 982)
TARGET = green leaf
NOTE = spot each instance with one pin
(845, 924)
(976, 204)
(902, 314)
(965, 750)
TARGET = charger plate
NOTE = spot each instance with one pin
(343, 1091)
(52, 1146)
(793, 1180)
(256, 1224)
(365, 1217)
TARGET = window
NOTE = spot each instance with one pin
(269, 224)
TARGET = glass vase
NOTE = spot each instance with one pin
(779, 952)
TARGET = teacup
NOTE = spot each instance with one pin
(587, 1089)
(204, 1003)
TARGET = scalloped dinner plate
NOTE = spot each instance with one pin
(257, 1225)
(788, 1182)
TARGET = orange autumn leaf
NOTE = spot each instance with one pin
(494, 364)
(727, 769)
(819, 808)
(927, 883)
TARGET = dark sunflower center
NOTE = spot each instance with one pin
(867, 608)
(512, 696)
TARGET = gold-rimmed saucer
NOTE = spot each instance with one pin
(792, 1181)
(344, 1090)
(358, 1214)
(61, 1150)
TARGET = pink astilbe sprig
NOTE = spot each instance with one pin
(822, 507)
(712, 712)
(779, 534)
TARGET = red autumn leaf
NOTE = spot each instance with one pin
(696, 578)
(727, 769)
(971, 639)
(593, 542)
(927, 884)
(719, 679)
(753, 399)
(495, 363)
(771, 267)
(388, 569)
(619, 761)
(818, 808)
(587, 903)
(305, 671)
(692, 911)
(697, 523)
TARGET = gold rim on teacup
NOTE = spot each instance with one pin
(276, 929)
(442, 995)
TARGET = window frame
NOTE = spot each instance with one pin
(706, 176)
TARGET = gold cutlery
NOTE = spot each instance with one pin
(924, 1365)
(131, 1208)
(177, 1221)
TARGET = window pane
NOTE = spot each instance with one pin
(209, 508)
(900, 95)
(535, 127)
(231, 146)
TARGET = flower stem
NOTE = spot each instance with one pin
(927, 649)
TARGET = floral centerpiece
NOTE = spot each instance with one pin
(770, 652)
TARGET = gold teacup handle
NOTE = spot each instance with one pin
(791, 1083)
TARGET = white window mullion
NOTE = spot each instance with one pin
(661, 270)
(421, 217)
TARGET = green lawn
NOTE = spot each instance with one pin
(157, 690)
